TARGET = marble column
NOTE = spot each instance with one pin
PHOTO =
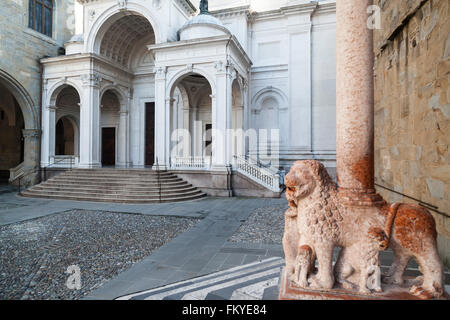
(161, 160)
(355, 104)
(222, 117)
(90, 122)
(123, 145)
(48, 134)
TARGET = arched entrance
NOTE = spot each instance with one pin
(11, 137)
(19, 136)
(64, 120)
(191, 124)
(109, 128)
(66, 138)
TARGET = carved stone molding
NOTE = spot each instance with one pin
(220, 66)
(92, 79)
(122, 4)
(160, 72)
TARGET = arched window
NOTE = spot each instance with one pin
(41, 16)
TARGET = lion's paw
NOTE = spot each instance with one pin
(421, 293)
(317, 283)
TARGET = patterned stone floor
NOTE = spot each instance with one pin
(255, 281)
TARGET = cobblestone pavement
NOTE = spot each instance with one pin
(265, 225)
(36, 254)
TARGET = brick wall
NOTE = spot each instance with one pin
(412, 106)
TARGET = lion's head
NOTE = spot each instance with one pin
(303, 178)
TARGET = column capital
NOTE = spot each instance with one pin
(91, 80)
(160, 72)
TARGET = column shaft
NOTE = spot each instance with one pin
(90, 124)
(355, 99)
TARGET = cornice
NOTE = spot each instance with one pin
(185, 4)
(210, 40)
(233, 12)
(303, 8)
(90, 57)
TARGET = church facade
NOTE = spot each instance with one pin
(239, 85)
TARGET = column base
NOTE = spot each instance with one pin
(360, 198)
(89, 165)
(160, 167)
(123, 165)
(221, 168)
(290, 291)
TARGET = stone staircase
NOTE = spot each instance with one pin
(116, 185)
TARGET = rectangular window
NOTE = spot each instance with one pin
(48, 22)
(41, 16)
(38, 20)
(31, 15)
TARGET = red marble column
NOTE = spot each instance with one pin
(355, 104)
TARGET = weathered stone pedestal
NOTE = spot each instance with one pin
(290, 291)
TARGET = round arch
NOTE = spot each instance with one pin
(26, 103)
(121, 96)
(269, 92)
(55, 89)
(109, 16)
(180, 75)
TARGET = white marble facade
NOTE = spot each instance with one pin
(249, 65)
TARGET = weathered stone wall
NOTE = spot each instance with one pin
(21, 47)
(412, 106)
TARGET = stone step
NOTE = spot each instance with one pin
(163, 199)
(105, 194)
(112, 175)
(115, 185)
(118, 179)
(105, 190)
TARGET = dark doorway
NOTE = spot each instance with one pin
(149, 133)
(108, 146)
(208, 140)
(60, 143)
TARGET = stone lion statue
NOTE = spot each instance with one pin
(316, 219)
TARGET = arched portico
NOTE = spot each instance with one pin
(188, 109)
(191, 118)
(114, 117)
(107, 19)
(31, 133)
(62, 107)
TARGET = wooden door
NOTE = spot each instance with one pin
(149, 133)
(108, 146)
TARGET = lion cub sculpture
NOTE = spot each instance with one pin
(317, 222)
